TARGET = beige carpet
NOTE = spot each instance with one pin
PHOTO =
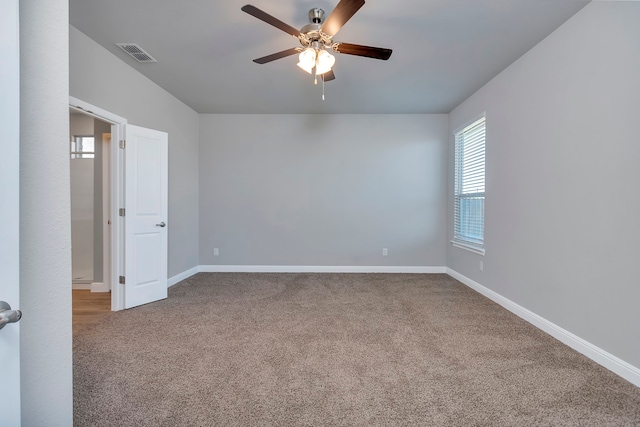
(335, 349)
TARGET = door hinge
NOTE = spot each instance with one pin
(121, 211)
(121, 280)
(123, 143)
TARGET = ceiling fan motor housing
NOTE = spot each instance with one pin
(310, 34)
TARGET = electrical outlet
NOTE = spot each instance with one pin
(481, 266)
(216, 252)
(385, 252)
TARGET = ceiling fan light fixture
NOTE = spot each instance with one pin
(324, 62)
(307, 59)
(316, 39)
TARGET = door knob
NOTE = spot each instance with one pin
(7, 315)
(162, 224)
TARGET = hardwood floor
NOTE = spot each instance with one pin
(89, 307)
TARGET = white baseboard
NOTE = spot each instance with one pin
(595, 353)
(317, 269)
(298, 269)
(180, 277)
(81, 286)
(100, 287)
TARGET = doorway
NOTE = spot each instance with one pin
(106, 129)
(89, 151)
(90, 140)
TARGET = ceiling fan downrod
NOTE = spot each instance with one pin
(316, 15)
(311, 32)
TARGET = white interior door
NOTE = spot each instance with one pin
(9, 215)
(146, 222)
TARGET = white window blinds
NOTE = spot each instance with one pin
(469, 185)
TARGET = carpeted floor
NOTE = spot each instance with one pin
(235, 349)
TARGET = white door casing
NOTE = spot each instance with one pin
(113, 171)
(146, 222)
(9, 213)
(106, 216)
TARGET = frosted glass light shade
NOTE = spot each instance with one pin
(307, 59)
(324, 62)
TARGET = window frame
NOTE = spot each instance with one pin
(461, 240)
(77, 155)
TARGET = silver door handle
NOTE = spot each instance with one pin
(162, 224)
(7, 315)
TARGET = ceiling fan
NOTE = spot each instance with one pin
(316, 39)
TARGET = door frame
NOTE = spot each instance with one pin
(114, 255)
(105, 285)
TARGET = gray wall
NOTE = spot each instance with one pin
(328, 190)
(45, 231)
(100, 78)
(79, 124)
(563, 182)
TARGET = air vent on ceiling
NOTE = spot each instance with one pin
(136, 52)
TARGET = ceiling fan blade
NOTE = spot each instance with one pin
(264, 16)
(275, 56)
(328, 76)
(367, 51)
(340, 15)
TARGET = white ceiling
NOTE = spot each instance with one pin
(443, 50)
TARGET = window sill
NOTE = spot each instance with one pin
(468, 247)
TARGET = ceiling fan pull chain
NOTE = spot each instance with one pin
(323, 88)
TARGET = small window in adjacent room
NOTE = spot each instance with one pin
(82, 147)
(469, 187)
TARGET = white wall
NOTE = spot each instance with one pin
(45, 232)
(82, 219)
(82, 201)
(563, 182)
(323, 190)
(100, 78)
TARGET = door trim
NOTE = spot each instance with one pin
(105, 285)
(116, 197)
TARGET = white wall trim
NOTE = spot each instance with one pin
(318, 269)
(593, 352)
(181, 276)
(100, 287)
(467, 247)
(81, 286)
(92, 110)
(106, 218)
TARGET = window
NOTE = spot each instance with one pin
(469, 187)
(82, 147)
